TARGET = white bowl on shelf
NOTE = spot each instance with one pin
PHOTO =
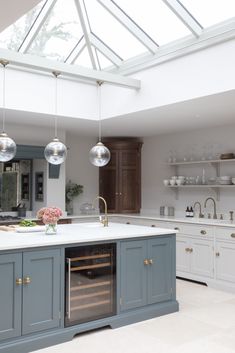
(179, 182)
(173, 182)
(166, 182)
(225, 177)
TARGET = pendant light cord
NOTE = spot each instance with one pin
(4, 63)
(99, 83)
(56, 74)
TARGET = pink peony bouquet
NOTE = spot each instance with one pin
(49, 215)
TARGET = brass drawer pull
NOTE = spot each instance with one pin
(27, 280)
(187, 249)
(127, 222)
(233, 235)
(19, 281)
(153, 225)
(217, 254)
(146, 262)
(191, 249)
(150, 261)
(203, 232)
(176, 228)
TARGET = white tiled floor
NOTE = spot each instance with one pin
(204, 324)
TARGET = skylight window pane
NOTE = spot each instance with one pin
(59, 33)
(12, 37)
(111, 32)
(104, 62)
(156, 19)
(210, 12)
(84, 59)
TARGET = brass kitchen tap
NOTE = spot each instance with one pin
(104, 220)
(211, 198)
(201, 215)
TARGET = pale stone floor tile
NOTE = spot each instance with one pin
(204, 324)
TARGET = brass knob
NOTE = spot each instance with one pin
(233, 235)
(203, 232)
(187, 249)
(150, 261)
(27, 280)
(127, 222)
(146, 262)
(191, 249)
(176, 228)
(153, 225)
(19, 281)
(217, 254)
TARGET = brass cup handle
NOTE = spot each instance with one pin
(203, 232)
(27, 280)
(150, 261)
(19, 281)
(233, 235)
(146, 262)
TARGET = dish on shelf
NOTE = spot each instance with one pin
(233, 180)
(227, 156)
(172, 182)
(225, 177)
(166, 182)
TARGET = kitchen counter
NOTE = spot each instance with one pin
(77, 233)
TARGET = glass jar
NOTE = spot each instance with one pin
(51, 229)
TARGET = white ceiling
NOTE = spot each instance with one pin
(214, 110)
(14, 9)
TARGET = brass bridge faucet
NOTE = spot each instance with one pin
(214, 203)
(104, 220)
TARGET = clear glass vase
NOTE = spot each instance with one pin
(51, 229)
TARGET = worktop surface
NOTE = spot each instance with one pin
(78, 233)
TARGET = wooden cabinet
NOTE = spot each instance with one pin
(120, 179)
(147, 272)
(225, 261)
(10, 295)
(29, 292)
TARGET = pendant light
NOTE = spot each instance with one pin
(7, 145)
(55, 152)
(99, 155)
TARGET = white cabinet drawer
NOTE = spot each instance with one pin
(194, 230)
(225, 233)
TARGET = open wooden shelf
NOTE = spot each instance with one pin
(207, 161)
(89, 267)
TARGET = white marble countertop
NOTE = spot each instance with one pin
(77, 233)
(193, 220)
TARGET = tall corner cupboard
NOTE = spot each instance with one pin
(120, 179)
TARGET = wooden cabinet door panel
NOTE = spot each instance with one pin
(225, 262)
(202, 257)
(10, 295)
(41, 297)
(159, 270)
(129, 181)
(133, 274)
(182, 255)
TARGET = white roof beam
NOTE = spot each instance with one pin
(85, 32)
(37, 63)
(105, 50)
(129, 24)
(37, 25)
(77, 50)
(184, 15)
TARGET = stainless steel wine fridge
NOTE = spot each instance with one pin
(90, 283)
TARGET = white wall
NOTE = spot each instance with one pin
(199, 74)
(202, 73)
(155, 154)
(79, 169)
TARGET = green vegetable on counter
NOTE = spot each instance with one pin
(26, 223)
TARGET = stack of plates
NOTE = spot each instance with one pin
(225, 180)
